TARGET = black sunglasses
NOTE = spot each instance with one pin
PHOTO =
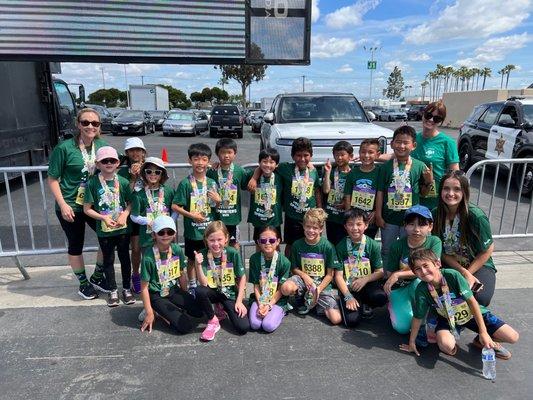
(269, 240)
(165, 232)
(106, 161)
(153, 171)
(84, 122)
(436, 118)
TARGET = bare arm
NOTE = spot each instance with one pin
(66, 211)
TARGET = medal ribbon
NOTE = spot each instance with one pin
(354, 258)
(447, 306)
(200, 195)
(400, 178)
(225, 187)
(217, 275)
(268, 187)
(89, 165)
(265, 288)
(159, 208)
(111, 198)
(302, 182)
(163, 280)
(451, 244)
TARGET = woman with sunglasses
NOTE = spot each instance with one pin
(436, 149)
(466, 236)
(71, 165)
(268, 270)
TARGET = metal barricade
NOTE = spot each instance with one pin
(507, 207)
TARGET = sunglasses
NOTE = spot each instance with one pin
(269, 240)
(84, 122)
(153, 172)
(106, 161)
(165, 232)
(436, 118)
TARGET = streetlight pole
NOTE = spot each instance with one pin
(127, 89)
(372, 51)
(103, 77)
(303, 83)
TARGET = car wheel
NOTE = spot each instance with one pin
(390, 119)
(527, 184)
(212, 133)
(465, 156)
(240, 133)
(114, 133)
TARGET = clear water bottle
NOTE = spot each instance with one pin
(431, 325)
(489, 363)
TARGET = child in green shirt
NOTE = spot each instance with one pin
(448, 293)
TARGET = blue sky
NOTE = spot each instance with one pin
(415, 35)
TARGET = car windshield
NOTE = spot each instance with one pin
(321, 109)
(132, 114)
(180, 117)
(528, 113)
(157, 114)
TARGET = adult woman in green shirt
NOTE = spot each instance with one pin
(71, 165)
(466, 236)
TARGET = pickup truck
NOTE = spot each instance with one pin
(226, 119)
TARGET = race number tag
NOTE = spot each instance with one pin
(227, 279)
(272, 288)
(261, 196)
(199, 204)
(462, 313)
(80, 197)
(363, 269)
(335, 197)
(432, 191)
(170, 271)
(107, 229)
(229, 194)
(363, 198)
(313, 264)
(399, 201)
(295, 189)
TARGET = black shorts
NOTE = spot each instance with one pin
(134, 229)
(257, 230)
(191, 246)
(292, 230)
(75, 231)
(335, 232)
(492, 323)
(233, 231)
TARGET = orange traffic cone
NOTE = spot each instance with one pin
(164, 155)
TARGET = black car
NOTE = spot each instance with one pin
(226, 119)
(106, 118)
(257, 121)
(500, 129)
(133, 122)
(415, 112)
(158, 118)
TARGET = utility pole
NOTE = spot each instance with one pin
(250, 94)
(408, 88)
(127, 89)
(103, 77)
(303, 83)
(371, 66)
(142, 80)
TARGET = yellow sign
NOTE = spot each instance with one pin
(363, 200)
(313, 266)
(363, 269)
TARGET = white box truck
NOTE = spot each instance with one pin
(148, 98)
(266, 102)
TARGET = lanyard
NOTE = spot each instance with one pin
(88, 160)
(354, 258)
(447, 306)
(302, 182)
(155, 209)
(225, 187)
(401, 178)
(269, 187)
(163, 273)
(451, 242)
(111, 198)
(217, 276)
(265, 287)
(201, 196)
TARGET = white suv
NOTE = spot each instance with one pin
(325, 118)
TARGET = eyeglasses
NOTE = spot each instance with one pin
(84, 122)
(165, 232)
(436, 118)
(106, 161)
(269, 240)
(153, 172)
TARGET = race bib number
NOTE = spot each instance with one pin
(80, 197)
(335, 197)
(363, 269)
(432, 191)
(227, 278)
(399, 201)
(107, 229)
(272, 288)
(199, 204)
(462, 313)
(295, 189)
(229, 195)
(313, 265)
(363, 199)
(170, 271)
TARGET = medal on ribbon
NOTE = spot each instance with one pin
(163, 271)
(267, 279)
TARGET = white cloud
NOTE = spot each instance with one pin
(345, 69)
(397, 63)
(324, 47)
(315, 11)
(495, 49)
(419, 57)
(467, 19)
(350, 15)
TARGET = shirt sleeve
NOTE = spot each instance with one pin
(332, 261)
(452, 155)
(57, 161)
(479, 220)
(436, 246)
(376, 261)
(393, 260)
(253, 273)
(146, 266)
(90, 192)
(285, 268)
(179, 251)
(462, 284)
(246, 175)
(382, 183)
(295, 262)
(348, 186)
(135, 204)
(421, 302)
(238, 267)
(181, 195)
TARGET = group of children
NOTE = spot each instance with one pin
(343, 275)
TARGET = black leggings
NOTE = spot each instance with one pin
(207, 296)
(372, 294)
(122, 244)
(75, 231)
(173, 308)
(487, 276)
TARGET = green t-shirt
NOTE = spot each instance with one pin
(184, 197)
(95, 195)
(441, 151)
(314, 259)
(257, 213)
(66, 165)
(291, 191)
(141, 207)
(124, 171)
(459, 293)
(410, 197)
(283, 267)
(370, 261)
(229, 210)
(335, 197)
(149, 268)
(362, 187)
(477, 243)
(234, 270)
(398, 259)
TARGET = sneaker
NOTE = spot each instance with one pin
(309, 302)
(500, 351)
(136, 283)
(210, 331)
(421, 337)
(127, 297)
(367, 312)
(87, 292)
(219, 312)
(100, 284)
(142, 315)
(112, 299)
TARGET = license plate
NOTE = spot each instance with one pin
(225, 127)
(124, 128)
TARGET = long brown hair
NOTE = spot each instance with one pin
(465, 227)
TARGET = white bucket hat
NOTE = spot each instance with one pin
(134, 143)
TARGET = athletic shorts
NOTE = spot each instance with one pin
(492, 323)
(292, 230)
(326, 300)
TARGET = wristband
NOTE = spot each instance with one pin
(348, 297)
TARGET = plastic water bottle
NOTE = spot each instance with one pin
(431, 325)
(489, 363)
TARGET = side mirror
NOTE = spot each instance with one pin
(269, 117)
(507, 123)
(527, 125)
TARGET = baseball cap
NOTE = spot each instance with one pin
(134, 143)
(156, 161)
(162, 222)
(106, 152)
(419, 210)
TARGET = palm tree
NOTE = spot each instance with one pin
(486, 73)
(476, 71)
(508, 69)
(449, 70)
(424, 84)
(463, 73)
(502, 73)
